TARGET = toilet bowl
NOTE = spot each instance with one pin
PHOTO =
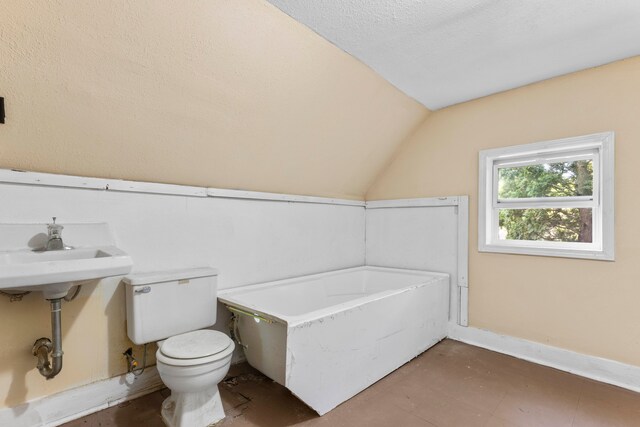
(172, 308)
(191, 365)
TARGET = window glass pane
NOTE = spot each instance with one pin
(555, 225)
(562, 179)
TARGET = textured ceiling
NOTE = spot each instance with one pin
(443, 52)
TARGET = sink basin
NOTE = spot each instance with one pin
(55, 272)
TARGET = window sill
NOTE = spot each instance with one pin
(551, 252)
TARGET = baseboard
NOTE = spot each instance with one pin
(72, 404)
(596, 368)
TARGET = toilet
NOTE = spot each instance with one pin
(172, 308)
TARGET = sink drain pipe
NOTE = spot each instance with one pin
(43, 346)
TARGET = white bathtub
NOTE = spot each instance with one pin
(328, 336)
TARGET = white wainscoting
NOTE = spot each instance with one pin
(248, 240)
(423, 234)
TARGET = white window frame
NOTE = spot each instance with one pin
(599, 147)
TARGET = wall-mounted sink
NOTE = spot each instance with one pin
(47, 265)
(54, 272)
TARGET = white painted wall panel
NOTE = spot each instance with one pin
(421, 238)
(249, 241)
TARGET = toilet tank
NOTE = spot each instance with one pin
(166, 303)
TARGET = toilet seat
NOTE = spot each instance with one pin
(195, 348)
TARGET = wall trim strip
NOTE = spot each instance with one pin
(256, 195)
(13, 176)
(463, 261)
(593, 367)
(413, 203)
(68, 405)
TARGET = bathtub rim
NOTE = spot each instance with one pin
(225, 296)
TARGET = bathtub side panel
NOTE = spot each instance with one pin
(331, 359)
(264, 346)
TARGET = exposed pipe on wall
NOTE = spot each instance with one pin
(43, 346)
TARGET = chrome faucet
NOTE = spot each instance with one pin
(54, 240)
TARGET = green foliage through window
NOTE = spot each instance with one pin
(561, 179)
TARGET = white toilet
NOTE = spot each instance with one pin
(172, 307)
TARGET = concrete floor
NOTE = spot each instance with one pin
(452, 384)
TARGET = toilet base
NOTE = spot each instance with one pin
(200, 409)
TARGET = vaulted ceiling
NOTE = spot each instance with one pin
(214, 93)
(443, 52)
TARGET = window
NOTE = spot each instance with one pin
(552, 198)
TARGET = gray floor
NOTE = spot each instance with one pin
(453, 384)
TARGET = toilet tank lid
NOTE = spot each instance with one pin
(169, 275)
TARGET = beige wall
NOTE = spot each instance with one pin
(93, 336)
(587, 306)
(230, 94)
